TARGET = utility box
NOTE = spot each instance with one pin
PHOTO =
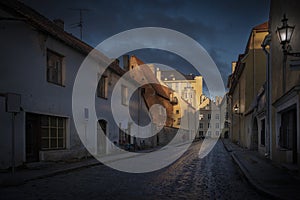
(13, 103)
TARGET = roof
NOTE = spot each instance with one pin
(262, 26)
(259, 28)
(170, 74)
(45, 25)
(147, 73)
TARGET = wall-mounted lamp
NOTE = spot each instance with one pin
(285, 33)
(236, 110)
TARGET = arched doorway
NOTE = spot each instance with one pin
(101, 139)
(254, 136)
(226, 135)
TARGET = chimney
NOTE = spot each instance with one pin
(126, 62)
(158, 74)
(117, 61)
(60, 23)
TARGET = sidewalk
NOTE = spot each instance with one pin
(39, 170)
(264, 175)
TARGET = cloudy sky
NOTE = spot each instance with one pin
(222, 27)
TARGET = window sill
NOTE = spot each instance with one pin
(49, 150)
(58, 84)
(105, 98)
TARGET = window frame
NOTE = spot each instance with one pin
(52, 54)
(102, 87)
(49, 128)
(124, 95)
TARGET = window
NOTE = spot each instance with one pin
(226, 125)
(226, 116)
(178, 121)
(54, 68)
(288, 129)
(102, 87)
(124, 92)
(201, 125)
(208, 133)
(217, 125)
(53, 132)
(177, 111)
(217, 116)
(208, 125)
(208, 116)
(217, 133)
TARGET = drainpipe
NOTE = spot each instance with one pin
(264, 44)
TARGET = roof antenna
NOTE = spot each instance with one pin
(80, 23)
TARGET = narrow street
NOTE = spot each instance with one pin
(214, 177)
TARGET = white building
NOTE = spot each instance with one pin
(39, 63)
(209, 119)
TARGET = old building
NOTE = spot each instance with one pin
(284, 81)
(245, 83)
(179, 113)
(224, 117)
(209, 119)
(189, 87)
(38, 68)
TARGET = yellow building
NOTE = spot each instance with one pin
(189, 87)
(246, 81)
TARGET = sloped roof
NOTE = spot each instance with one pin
(45, 25)
(147, 74)
(169, 74)
(259, 28)
(262, 26)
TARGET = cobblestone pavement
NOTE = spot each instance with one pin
(213, 177)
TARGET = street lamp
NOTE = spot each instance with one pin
(285, 33)
(236, 110)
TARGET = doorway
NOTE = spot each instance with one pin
(101, 139)
(254, 140)
(288, 130)
(32, 137)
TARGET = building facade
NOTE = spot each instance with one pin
(189, 87)
(38, 69)
(209, 119)
(284, 84)
(246, 81)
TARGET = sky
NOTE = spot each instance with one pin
(222, 27)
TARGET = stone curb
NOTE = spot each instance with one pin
(248, 177)
(14, 181)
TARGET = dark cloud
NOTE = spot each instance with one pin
(221, 27)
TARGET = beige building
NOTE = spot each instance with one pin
(244, 84)
(189, 87)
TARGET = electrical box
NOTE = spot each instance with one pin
(13, 103)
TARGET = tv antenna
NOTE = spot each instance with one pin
(80, 23)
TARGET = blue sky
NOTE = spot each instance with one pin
(222, 27)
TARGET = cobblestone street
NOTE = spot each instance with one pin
(214, 177)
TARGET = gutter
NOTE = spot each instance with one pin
(264, 44)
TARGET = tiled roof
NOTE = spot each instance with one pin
(147, 74)
(262, 26)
